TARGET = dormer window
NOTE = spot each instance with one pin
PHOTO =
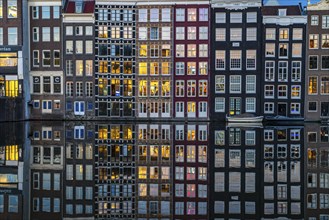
(78, 7)
(282, 12)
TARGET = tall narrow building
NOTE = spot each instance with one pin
(317, 64)
(78, 59)
(11, 60)
(154, 51)
(46, 70)
(191, 59)
(115, 59)
(235, 61)
(283, 62)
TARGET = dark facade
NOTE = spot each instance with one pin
(235, 177)
(236, 29)
(115, 60)
(317, 62)
(191, 60)
(282, 166)
(283, 62)
(46, 68)
(78, 60)
(11, 61)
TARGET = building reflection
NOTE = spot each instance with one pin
(99, 170)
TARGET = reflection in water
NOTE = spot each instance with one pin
(89, 170)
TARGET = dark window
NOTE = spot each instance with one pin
(102, 106)
(325, 109)
(311, 137)
(115, 50)
(325, 62)
(127, 50)
(312, 106)
(36, 84)
(68, 105)
(57, 84)
(313, 62)
(127, 109)
(46, 84)
(115, 110)
(103, 50)
(324, 134)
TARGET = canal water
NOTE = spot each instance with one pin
(158, 170)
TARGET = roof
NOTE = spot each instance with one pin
(87, 6)
(292, 10)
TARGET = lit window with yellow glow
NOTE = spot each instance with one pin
(165, 152)
(154, 172)
(143, 50)
(115, 67)
(142, 68)
(154, 88)
(154, 68)
(142, 172)
(165, 88)
(142, 88)
(165, 68)
(102, 132)
(142, 152)
(115, 132)
(142, 189)
(154, 152)
(127, 132)
(12, 153)
(191, 107)
(191, 133)
(103, 67)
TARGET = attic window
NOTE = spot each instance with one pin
(78, 7)
(282, 12)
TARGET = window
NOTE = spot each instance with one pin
(191, 68)
(154, 33)
(220, 34)
(268, 107)
(191, 33)
(180, 33)
(45, 12)
(235, 84)
(166, 33)
(203, 68)
(12, 8)
(36, 60)
(269, 71)
(297, 50)
(191, 50)
(55, 12)
(296, 71)
(154, 15)
(13, 203)
(270, 50)
(219, 104)
(270, 34)
(282, 91)
(250, 104)
(46, 58)
(220, 17)
(236, 34)
(220, 84)
(56, 34)
(235, 59)
(180, 50)
(46, 34)
(203, 33)
(220, 60)
(251, 17)
(142, 34)
(325, 41)
(35, 12)
(236, 17)
(191, 14)
(250, 84)
(251, 60)
(297, 34)
(312, 106)
(35, 34)
(165, 14)
(251, 34)
(203, 14)
(180, 68)
(283, 71)
(313, 62)
(191, 88)
(203, 50)
(180, 14)
(325, 62)
(314, 20)
(57, 58)
(283, 50)
(284, 34)
(324, 85)
(12, 36)
(325, 21)
(313, 41)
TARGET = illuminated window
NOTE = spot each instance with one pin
(191, 14)
(154, 68)
(190, 190)
(190, 154)
(191, 133)
(115, 132)
(191, 88)
(154, 88)
(102, 87)
(284, 34)
(165, 68)
(203, 88)
(202, 154)
(142, 189)
(190, 173)
(165, 152)
(12, 153)
(179, 153)
(165, 88)
(102, 132)
(12, 8)
(115, 67)
(154, 172)
(102, 32)
(142, 68)
(154, 153)
(165, 51)
(142, 88)
(143, 50)
(191, 50)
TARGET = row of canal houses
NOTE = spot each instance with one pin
(164, 60)
(195, 170)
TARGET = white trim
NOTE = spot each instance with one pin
(235, 5)
(284, 21)
(78, 18)
(44, 3)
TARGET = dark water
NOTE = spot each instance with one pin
(96, 170)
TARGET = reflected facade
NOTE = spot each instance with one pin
(98, 170)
